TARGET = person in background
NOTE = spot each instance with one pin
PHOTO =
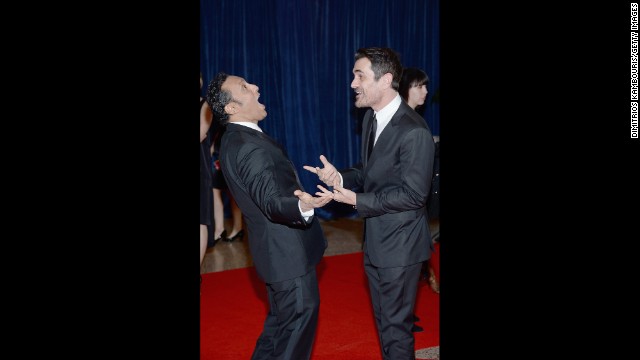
(285, 238)
(413, 90)
(206, 202)
(395, 176)
(219, 185)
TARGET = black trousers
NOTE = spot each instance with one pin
(393, 296)
(290, 327)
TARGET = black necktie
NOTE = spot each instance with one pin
(372, 134)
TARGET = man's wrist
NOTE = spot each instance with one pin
(303, 211)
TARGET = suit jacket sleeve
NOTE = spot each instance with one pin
(352, 177)
(415, 169)
(266, 182)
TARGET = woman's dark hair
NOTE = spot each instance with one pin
(411, 77)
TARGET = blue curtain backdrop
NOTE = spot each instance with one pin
(300, 54)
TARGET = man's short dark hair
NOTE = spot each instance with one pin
(218, 98)
(383, 60)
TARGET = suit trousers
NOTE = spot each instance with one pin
(393, 296)
(290, 327)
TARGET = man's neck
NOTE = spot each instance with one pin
(387, 97)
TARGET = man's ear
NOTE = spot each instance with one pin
(231, 108)
(388, 79)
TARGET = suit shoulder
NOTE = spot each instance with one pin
(239, 137)
(413, 120)
(412, 124)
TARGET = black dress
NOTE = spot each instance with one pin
(218, 179)
(206, 180)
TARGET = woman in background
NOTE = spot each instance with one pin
(219, 185)
(413, 90)
(206, 202)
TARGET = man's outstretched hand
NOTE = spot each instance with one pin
(343, 195)
(308, 202)
(328, 174)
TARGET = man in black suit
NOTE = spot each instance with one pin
(395, 178)
(285, 239)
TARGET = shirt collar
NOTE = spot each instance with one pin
(247, 124)
(386, 113)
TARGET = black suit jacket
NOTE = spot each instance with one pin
(396, 182)
(262, 181)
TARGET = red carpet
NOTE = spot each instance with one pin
(233, 306)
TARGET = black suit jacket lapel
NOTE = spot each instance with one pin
(269, 139)
(387, 132)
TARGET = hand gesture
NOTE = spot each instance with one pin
(328, 174)
(343, 195)
(308, 202)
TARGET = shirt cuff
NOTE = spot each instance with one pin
(305, 214)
